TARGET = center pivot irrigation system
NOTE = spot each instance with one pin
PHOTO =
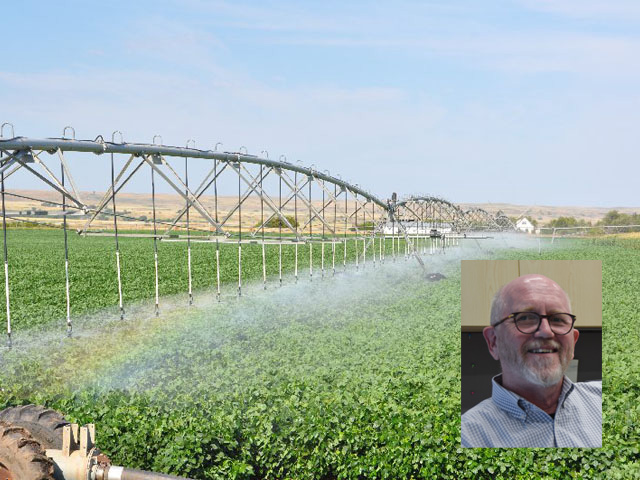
(274, 203)
(298, 207)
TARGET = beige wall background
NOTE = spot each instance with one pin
(481, 279)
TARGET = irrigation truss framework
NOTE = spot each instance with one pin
(299, 206)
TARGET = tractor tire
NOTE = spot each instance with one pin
(22, 457)
(44, 425)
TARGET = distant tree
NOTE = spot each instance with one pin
(533, 221)
(276, 222)
(613, 217)
(563, 222)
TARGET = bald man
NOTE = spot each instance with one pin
(533, 404)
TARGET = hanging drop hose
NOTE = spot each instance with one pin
(66, 251)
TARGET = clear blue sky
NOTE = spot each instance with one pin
(522, 101)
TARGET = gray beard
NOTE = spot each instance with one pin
(543, 375)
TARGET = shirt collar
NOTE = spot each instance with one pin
(516, 405)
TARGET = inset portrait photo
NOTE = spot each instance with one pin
(531, 353)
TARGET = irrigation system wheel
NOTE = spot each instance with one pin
(22, 457)
(44, 425)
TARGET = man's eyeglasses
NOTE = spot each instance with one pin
(529, 322)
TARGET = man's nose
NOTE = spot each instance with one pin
(544, 330)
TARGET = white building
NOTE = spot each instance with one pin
(524, 225)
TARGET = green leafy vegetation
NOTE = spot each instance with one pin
(277, 222)
(358, 378)
(613, 217)
(37, 277)
(564, 222)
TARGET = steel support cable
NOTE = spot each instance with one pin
(66, 254)
(55, 186)
(188, 205)
(155, 242)
(74, 189)
(277, 210)
(10, 161)
(42, 200)
(292, 196)
(53, 226)
(193, 200)
(7, 162)
(202, 188)
(317, 213)
(105, 199)
(369, 239)
(255, 186)
(6, 257)
(115, 228)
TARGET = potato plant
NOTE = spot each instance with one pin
(37, 277)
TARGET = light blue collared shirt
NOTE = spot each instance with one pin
(508, 420)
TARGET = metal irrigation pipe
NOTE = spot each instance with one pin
(138, 149)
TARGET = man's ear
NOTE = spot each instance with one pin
(489, 334)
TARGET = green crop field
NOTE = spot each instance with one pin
(37, 277)
(356, 376)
